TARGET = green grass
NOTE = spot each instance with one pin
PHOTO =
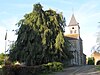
(98, 67)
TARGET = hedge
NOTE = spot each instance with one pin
(53, 66)
(32, 70)
(20, 70)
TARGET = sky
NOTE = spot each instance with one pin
(86, 12)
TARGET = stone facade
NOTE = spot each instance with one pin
(96, 56)
(74, 38)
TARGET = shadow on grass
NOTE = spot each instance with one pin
(47, 74)
(51, 73)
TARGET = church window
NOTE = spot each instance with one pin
(71, 31)
(72, 27)
(75, 31)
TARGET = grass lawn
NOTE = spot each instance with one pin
(98, 67)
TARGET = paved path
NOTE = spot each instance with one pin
(80, 70)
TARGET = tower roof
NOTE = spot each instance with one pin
(73, 21)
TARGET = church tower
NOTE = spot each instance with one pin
(74, 28)
(74, 38)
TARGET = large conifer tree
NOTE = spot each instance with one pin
(40, 38)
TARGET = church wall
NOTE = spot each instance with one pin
(74, 30)
(76, 41)
(76, 52)
(79, 48)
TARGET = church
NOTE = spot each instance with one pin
(75, 40)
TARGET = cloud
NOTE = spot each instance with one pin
(22, 5)
(87, 7)
(66, 2)
(9, 23)
(3, 13)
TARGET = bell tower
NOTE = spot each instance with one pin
(74, 28)
(73, 35)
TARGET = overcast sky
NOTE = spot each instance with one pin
(87, 13)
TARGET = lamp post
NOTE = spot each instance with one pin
(5, 46)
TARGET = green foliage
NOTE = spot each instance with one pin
(98, 67)
(97, 47)
(40, 38)
(90, 61)
(21, 70)
(32, 70)
(53, 66)
(12, 46)
(37, 8)
(2, 57)
(98, 38)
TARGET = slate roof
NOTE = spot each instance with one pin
(73, 21)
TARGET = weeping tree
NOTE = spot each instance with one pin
(97, 46)
(98, 42)
(40, 38)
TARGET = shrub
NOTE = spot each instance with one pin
(32, 70)
(52, 67)
(1, 62)
(90, 61)
(8, 70)
(98, 67)
(20, 70)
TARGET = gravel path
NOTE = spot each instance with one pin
(80, 70)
